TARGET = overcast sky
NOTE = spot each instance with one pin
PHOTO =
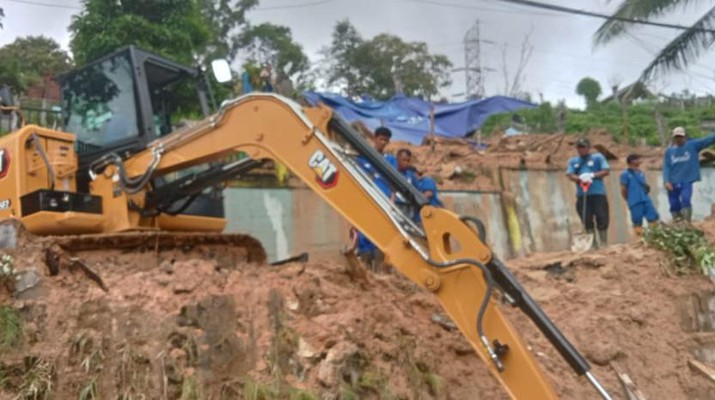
(563, 51)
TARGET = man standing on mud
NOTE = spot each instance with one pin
(681, 168)
(587, 170)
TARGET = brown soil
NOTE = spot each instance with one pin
(193, 328)
(458, 164)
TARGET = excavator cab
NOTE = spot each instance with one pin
(125, 100)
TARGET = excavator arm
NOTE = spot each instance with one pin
(445, 254)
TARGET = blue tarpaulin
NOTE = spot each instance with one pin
(409, 118)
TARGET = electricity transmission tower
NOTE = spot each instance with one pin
(473, 63)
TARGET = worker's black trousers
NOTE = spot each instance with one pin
(596, 208)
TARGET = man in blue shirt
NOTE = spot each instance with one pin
(380, 141)
(428, 186)
(681, 167)
(589, 169)
(365, 249)
(405, 168)
(634, 190)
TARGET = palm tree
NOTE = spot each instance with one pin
(684, 49)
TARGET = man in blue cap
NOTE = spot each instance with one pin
(587, 170)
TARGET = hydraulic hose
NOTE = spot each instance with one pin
(45, 159)
(482, 307)
(128, 185)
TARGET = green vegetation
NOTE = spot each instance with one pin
(254, 390)
(590, 89)
(89, 392)
(682, 50)
(641, 122)
(190, 389)
(689, 249)
(383, 65)
(10, 327)
(27, 60)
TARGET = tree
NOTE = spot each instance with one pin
(590, 89)
(2, 15)
(226, 19)
(384, 65)
(26, 61)
(343, 57)
(177, 29)
(273, 44)
(681, 51)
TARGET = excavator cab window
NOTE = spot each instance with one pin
(100, 105)
(125, 100)
(173, 96)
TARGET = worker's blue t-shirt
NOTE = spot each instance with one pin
(634, 181)
(428, 184)
(372, 172)
(594, 162)
(682, 164)
(411, 177)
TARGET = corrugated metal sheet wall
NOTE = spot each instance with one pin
(535, 213)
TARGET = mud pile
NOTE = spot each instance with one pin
(465, 164)
(180, 326)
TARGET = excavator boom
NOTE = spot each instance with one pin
(444, 253)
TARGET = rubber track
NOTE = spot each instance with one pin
(148, 241)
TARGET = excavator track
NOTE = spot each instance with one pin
(230, 249)
(250, 247)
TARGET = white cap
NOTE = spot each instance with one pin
(679, 131)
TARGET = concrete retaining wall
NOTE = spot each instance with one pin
(535, 213)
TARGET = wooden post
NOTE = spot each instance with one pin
(431, 126)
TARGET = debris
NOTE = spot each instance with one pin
(303, 257)
(305, 350)
(632, 392)
(26, 280)
(8, 236)
(330, 369)
(444, 322)
(76, 262)
(705, 370)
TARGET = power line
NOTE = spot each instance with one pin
(314, 3)
(553, 7)
(479, 8)
(270, 8)
(37, 3)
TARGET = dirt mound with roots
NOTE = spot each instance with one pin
(141, 325)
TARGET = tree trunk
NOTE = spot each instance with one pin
(660, 123)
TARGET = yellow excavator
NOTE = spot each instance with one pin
(117, 166)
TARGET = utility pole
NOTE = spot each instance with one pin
(473, 63)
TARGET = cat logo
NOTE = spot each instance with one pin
(325, 171)
(4, 162)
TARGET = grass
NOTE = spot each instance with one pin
(254, 390)
(89, 392)
(688, 248)
(10, 327)
(190, 389)
(37, 381)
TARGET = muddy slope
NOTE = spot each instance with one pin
(194, 328)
